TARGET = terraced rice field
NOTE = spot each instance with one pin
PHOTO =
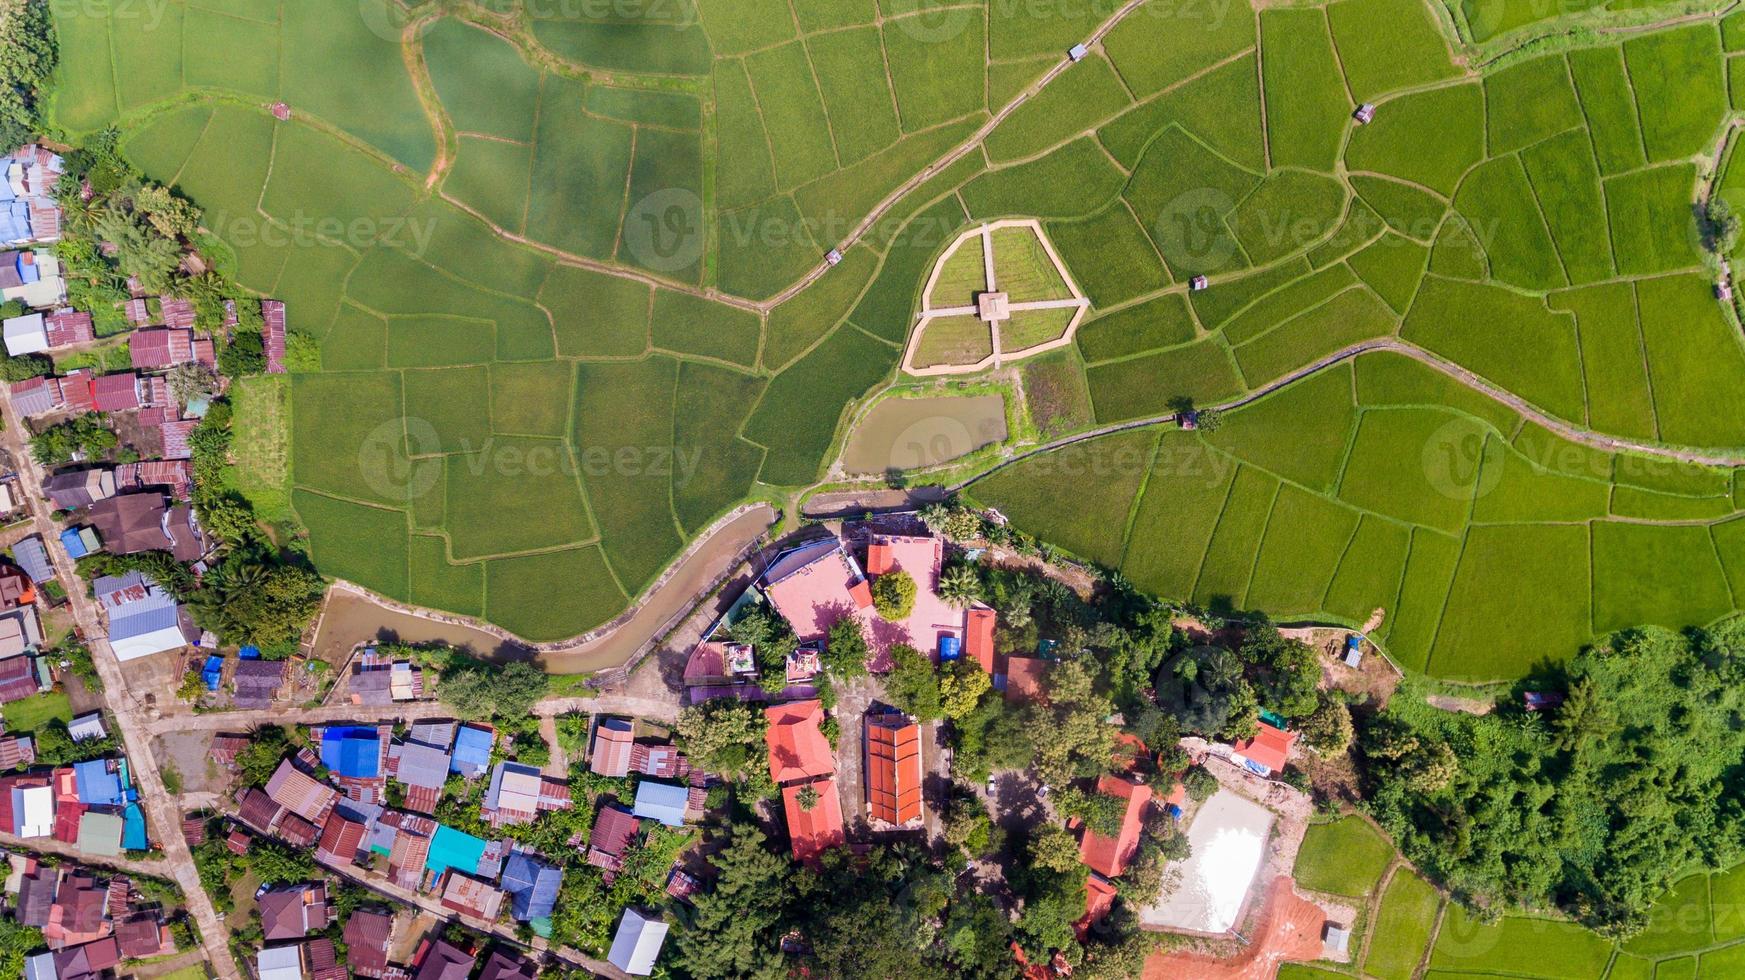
(538, 295)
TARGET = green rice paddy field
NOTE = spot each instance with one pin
(1405, 929)
(540, 259)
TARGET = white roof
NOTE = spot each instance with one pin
(280, 963)
(26, 334)
(637, 944)
(145, 644)
(41, 967)
(39, 812)
(87, 726)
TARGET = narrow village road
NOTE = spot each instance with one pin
(240, 722)
(163, 816)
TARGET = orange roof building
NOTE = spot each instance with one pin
(1268, 751)
(797, 747)
(812, 832)
(1100, 895)
(978, 639)
(893, 768)
(1024, 679)
(1108, 856)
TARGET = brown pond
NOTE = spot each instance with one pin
(351, 618)
(910, 433)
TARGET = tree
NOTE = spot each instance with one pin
(27, 57)
(1286, 673)
(1200, 784)
(737, 925)
(275, 864)
(246, 600)
(192, 381)
(88, 435)
(266, 748)
(723, 736)
(1328, 730)
(845, 649)
(893, 595)
(807, 797)
(484, 691)
(961, 686)
(913, 684)
(960, 585)
(1721, 226)
(1071, 737)
(226, 516)
(245, 354)
(970, 829)
(1053, 847)
(1203, 688)
(25, 366)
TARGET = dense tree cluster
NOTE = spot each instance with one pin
(1592, 808)
(86, 436)
(27, 59)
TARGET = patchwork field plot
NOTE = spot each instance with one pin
(999, 291)
(551, 234)
(1335, 474)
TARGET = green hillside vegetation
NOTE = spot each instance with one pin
(700, 165)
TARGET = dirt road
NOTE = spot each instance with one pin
(163, 815)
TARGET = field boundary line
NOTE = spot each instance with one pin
(976, 139)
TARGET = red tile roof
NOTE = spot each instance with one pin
(879, 558)
(1270, 747)
(176, 438)
(893, 768)
(177, 312)
(1099, 899)
(161, 348)
(797, 747)
(273, 333)
(367, 935)
(978, 640)
(812, 832)
(341, 839)
(1024, 678)
(115, 392)
(1108, 856)
(66, 327)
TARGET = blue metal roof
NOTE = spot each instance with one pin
(351, 751)
(133, 829)
(532, 885)
(472, 751)
(70, 541)
(665, 802)
(97, 785)
(33, 558)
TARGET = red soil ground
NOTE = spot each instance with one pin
(1290, 930)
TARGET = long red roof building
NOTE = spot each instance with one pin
(893, 768)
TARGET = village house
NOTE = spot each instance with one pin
(469, 896)
(801, 762)
(518, 793)
(256, 682)
(73, 489)
(31, 277)
(299, 793)
(135, 522)
(637, 943)
(293, 911)
(532, 884)
(356, 755)
(501, 965)
(613, 741)
(28, 210)
(1109, 856)
(143, 617)
(368, 935)
(1267, 752)
(614, 830)
(421, 769)
(892, 748)
(445, 961)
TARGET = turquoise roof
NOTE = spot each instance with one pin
(451, 848)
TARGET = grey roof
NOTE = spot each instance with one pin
(136, 605)
(87, 726)
(257, 681)
(140, 622)
(33, 558)
(420, 765)
(532, 885)
(437, 733)
(637, 943)
(41, 967)
(36, 895)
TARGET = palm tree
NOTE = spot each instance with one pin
(960, 586)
